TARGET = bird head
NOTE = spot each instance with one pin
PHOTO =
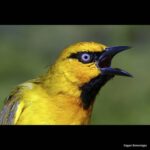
(88, 66)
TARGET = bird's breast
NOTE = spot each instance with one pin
(42, 108)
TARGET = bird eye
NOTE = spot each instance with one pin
(86, 58)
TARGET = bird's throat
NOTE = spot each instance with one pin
(90, 90)
(62, 85)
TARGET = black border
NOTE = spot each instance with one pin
(77, 12)
(81, 20)
(77, 15)
(92, 136)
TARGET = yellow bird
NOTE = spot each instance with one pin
(66, 93)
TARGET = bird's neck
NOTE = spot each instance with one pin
(66, 95)
(59, 84)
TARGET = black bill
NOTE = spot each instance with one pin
(104, 61)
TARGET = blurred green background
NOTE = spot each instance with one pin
(26, 51)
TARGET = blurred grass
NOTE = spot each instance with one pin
(26, 51)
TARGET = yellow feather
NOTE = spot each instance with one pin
(54, 98)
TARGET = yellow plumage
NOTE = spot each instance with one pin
(55, 97)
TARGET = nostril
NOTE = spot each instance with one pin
(105, 62)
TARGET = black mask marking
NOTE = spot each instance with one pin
(94, 56)
(91, 89)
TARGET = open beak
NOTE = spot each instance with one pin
(104, 61)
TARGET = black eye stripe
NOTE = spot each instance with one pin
(94, 55)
